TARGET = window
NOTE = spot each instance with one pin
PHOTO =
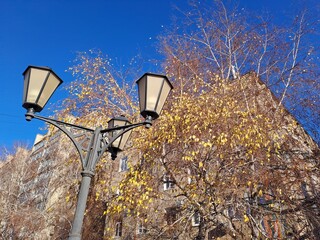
(123, 164)
(38, 145)
(141, 228)
(306, 190)
(54, 136)
(168, 182)
(118, 229)
(118, 192)
(229, 211)
(37, 155)
(196, 219)
(189, 176)
(171, 215)
(272, 227)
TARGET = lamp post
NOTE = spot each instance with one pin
(39, 85)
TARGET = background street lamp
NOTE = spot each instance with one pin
(41, 82)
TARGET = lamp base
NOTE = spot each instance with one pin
(30, 114)
(148, 122)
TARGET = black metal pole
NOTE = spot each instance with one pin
(76, 230)
(87, 174)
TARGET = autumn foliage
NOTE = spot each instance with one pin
(231, 150)
(226, 159)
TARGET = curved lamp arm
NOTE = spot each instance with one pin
(147, 123)
(98, 134)
(63, 127)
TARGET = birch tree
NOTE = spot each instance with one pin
(234, 154)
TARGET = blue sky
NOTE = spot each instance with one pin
(50, 32)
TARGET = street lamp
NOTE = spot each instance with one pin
(120, 142)
(39, 85)
(153, 92)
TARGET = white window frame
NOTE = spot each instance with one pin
(118, 192)
(141, 228)
(168, 183)
(118, 229)
(123, 164)
(196, 219)
(189, 176)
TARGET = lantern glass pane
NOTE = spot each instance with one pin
(116, 143)
(50, 87)
(142, 93)
(25, 86)
(124, 138)
(121, 141)
(153, 89)
(116, 123)
(164, 94)
(37, 78)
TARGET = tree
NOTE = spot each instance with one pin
(14, 217)
(231, 43)
(225, 150)
(99, 91)
(233, 153)
(34, 191)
